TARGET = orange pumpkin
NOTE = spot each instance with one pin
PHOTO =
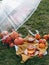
(41, 45)
(45, 37)
(11, 44)
(37, 36)
(7, 40)
(31, 50)
(1, 35)
(18, 41)
(14, 35)
(40, 54)
(42, 41)
(4, 33)
(48, 36)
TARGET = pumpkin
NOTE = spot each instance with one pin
(42, 41)
(4, 33)
(42, 45)
(1, 35)
(45, 37)
(30, 50)
(6, 40)
(18, 41)
(37, 36)
(40, 54)
(11, 44)
(48, 36)
(14, 35)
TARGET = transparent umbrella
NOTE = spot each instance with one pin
(14, 13)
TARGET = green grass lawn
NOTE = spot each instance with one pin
(39, 21)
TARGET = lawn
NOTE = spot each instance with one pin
(39, 21)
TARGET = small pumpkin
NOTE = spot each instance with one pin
(11, 45)
(45, 37)
(4, 33)
(6, 40)
(31, 50)
(1, 35)
(48, 36)
(42, 41)
(37, 36)
(18, 41)
(14, 35)
(42, 45)
(40, 54)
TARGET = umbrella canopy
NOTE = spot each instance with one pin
(14, 13)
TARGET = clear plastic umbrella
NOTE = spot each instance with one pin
(14, 13)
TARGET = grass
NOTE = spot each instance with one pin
(40, 21)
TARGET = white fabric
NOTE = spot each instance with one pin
(16, 47)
